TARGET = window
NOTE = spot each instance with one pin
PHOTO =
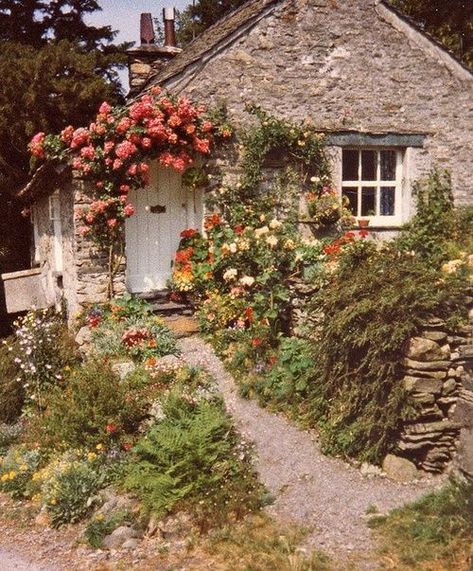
(371, 181)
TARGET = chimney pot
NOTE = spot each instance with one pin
(169, 29)
(147, 30)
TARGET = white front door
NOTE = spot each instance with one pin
(162, 211)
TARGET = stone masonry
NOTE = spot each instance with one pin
(439, 380)
(345, 66)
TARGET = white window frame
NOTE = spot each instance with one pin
(377, 220)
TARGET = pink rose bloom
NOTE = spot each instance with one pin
(80, 137)
(66, 134)
(88, 152)
(83, 230)
(108, 147)
(125, 150)
(125, 188)
(117, 164)
(123, 125)
(132, 170)
(105, 108)
(143, 167)
(112, 222)
(146, 143)
(129, 210)
(207, 126)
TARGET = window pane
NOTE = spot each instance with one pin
(368, 201)
(368, 165)
(351, 192)
(387, 200)
(388, 165)
(350, 165)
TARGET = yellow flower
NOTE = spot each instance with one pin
(23, 468)
(12, 475)
(4, 477)
(91, 456)
(99, 517)
(53, 502)
(99, 447)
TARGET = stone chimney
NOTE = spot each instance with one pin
(148, 59)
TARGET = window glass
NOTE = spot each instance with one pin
(387, 200)
(368, 165)
(350, 165)
(388, 165)
(368, 201)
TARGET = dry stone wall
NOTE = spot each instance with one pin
(439, 380)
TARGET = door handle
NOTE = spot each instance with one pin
(157, 209)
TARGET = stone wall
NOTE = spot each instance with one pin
(439, 380)
(91, 284)
(343, 66)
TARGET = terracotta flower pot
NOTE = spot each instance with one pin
(363, 223)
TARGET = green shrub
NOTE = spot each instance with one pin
(9, 434)
(17, 469)
(284, 385)
(43, 349)
(138, 337)
(11, 389)
(93, 407)
(370, 309)
(69, 486)
(192, 459)
(437, 529)
(433, 225)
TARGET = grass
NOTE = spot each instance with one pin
(433, 534)
(259, 544)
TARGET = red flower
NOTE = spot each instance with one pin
(111, 428)
(212, 221)
(256, 342)
(189, 233)
(249, 314)
(363, 233)
(127, 446)
(239, 229)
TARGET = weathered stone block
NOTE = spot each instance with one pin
(421, 349)
(437, 336)
(427, 365)
(423, 385)
(399, 469)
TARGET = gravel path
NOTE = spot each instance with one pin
(324, 494)
(13, 562)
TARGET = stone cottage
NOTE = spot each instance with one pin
(392, 102)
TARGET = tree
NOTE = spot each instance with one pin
(56, 70)
(450, 22)
(201, 15)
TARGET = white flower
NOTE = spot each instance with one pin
(247, 281)
(272, 241)
(289, 245)
(275, 223)
(230, 274)
(233, 248)
(314, 179)
(261, 231)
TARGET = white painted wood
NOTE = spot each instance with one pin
(153, 238)
(55, 216)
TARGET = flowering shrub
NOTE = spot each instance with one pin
(43, 350)
(114, 150)
(69, 485)
(327, 208)
(16, 470)
(126, 327)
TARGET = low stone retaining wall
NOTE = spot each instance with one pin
(439, 379)
(438, 364)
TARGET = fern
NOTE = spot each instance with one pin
(193, 459)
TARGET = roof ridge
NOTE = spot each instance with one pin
(456, 65)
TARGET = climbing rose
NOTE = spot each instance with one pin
(129, 210)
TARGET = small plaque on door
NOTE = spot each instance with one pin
(157, 209)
